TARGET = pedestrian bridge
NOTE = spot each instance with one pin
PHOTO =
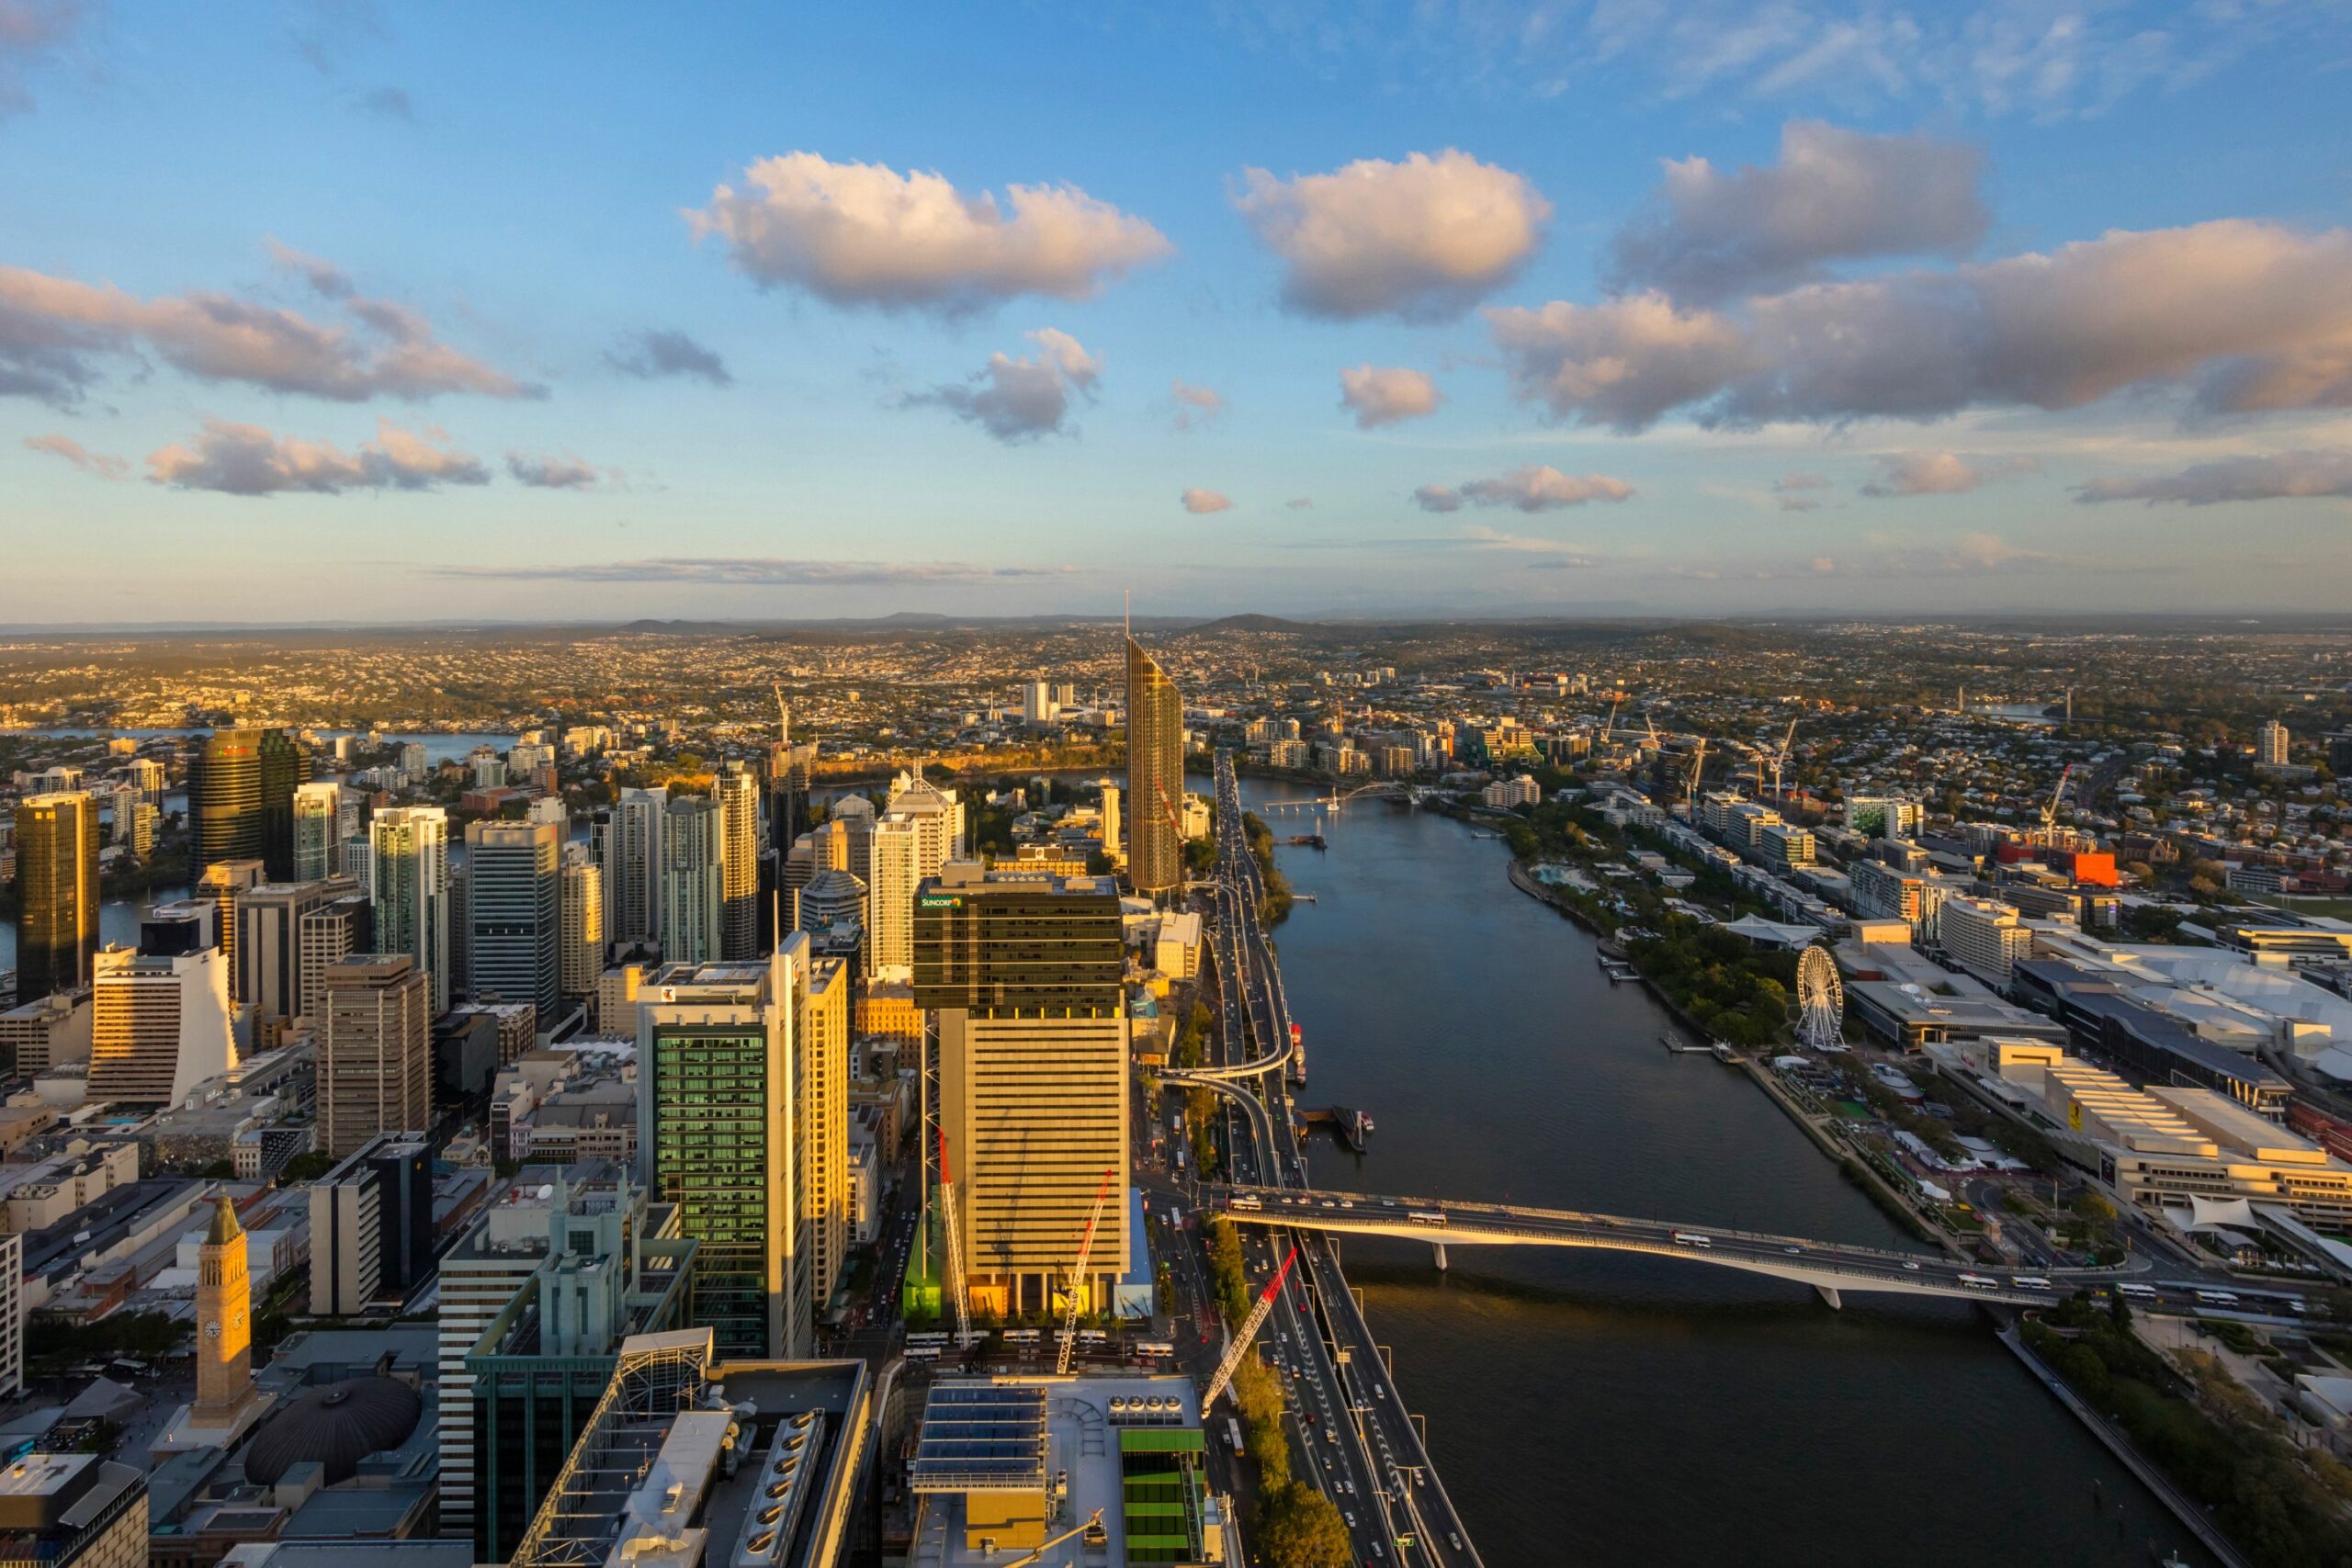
(1830, 1267)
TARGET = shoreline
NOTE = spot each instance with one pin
(2158, 1484)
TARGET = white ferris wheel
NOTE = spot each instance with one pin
(1821, 1000)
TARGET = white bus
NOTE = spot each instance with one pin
(1980, 1282)
(2030, 1282)
(1022, 1336)
(1249, 1203)
(1154, 1349)
(2138, 1292)
(2218, 1297)
(1691, 1238)
(1426, 1217)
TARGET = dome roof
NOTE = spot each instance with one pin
(337, 1423)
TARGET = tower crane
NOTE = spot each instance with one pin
(1779, 757)
(1609, 724)
(1248, 1331)
(954, 1245)
(1078, 1273)
(1654, 742)
(2050, 812)
(1698, 766)
(783, 714)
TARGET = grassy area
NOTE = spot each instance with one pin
(1275, 908)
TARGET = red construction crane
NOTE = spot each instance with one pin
(954, 1245)
(1248, 1331)
(1078, 1273)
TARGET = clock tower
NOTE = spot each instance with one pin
(224, 1334)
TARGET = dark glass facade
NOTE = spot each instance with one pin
(57, 882)
(1155, 802)
(241, 787)
(1040, 948)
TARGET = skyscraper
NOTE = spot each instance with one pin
(375, 1066)
(272, 922)
(159, 1018)
(410, 890)
(897, 858)
(224, 798)
(628, 845)
(318, 829)
(691, 881)
(1024, 972)
(514, 914)
(2270, 745)
(57, 874)
(1155, 801)
(581, 953)
(822, 1123)
(738, 861)
(285, 768)
(718, 1082)
(240, 786)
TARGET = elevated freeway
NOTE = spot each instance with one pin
(1832, 1268)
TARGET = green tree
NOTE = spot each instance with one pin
(1300, 1527)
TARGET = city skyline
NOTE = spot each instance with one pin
(1465, 310)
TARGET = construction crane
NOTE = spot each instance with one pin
(783, 716)
(1779, 757)
(954, 1245)
(1092, 1520)
(1077, 1274)
(1655, 741)
(1248, 1331)
(1698, 766)
(1609, 724)
(2050, 812)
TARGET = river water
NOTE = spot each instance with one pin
(1586, 1408)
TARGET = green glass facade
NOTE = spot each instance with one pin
(708, 1154)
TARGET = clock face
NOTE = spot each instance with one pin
(212, 1331)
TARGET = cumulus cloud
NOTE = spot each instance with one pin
(864, 234)
(1942, 473)
(53, 329)
(246, 459)
(1422, 240)
(2279, 476)
(80, 456)
(1021, 400)
(1195, 405)
(1834, 195)
(1200, 502)
(2243, 316)
(760, 571)
(1380, 395)
(1540, 489)
(660, 351)
(555, 473)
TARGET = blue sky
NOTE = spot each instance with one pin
(339, 311)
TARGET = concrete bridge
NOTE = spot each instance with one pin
(1830, 1267)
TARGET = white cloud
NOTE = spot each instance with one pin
(864, 234)
(1942, 473)
(97, 464)
(1021, 400)
(657, 352)
(246, 459)
(1538, 488)
(51, 328)
(1834, 195)
(2242, 316)
(2275, 477)
(1195, 405)
(1383, 396)
(1421, 240)
(1199, 503)
(549, 472)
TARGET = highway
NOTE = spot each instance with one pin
(1358, 1442)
